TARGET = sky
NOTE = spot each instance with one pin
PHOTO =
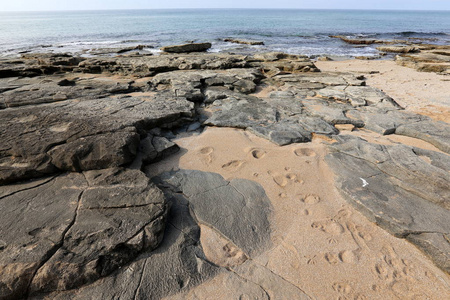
(45, 5)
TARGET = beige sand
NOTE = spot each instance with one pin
(419, 92)
(320, 243)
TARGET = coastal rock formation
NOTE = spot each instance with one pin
(403, 189)
(360, 41)
(398, 49)
(75, 228)
(214, 226)
(429, 59)
(300, 107)
(186, 48)
(36, 64)
(243, 42)
(105, 231)
(80, 135)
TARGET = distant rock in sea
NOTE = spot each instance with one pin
(187, 48)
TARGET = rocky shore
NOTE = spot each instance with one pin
(199, 176)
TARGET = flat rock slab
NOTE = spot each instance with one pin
(80, 136)
(76, 228)
(203, 206)
(238, 209)
(403, 189)
(434, 132)
(186, 48)
(54, 88)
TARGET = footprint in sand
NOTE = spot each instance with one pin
(282, 195)
(332, 241)
(328, 226)
(304, 152)
(311, 199)
(312, 260)
(331, 258)
(258, 154)
(206, 154)
(291, 176)
(350, 257)
(346, 256)
(346, 291)
(342, 288)
(233, 165)
(279, 179)
(306, 212)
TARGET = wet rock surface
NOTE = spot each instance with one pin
(104, 231)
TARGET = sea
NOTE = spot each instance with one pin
(289, 30)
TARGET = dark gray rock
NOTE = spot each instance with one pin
(238, 209)
(358, 96)
(79, 228)
(217, 93)
(436, 133)
(192, 84)
(47, 89)
(383, 120)
(397, 188)
(186, 48)
(72, 135)
(274, 56)
(245, 86)
(241, 113)
(332, 113)
(152, 65)
(243, 42)
(294, 130)
(36, 64)
(96, 152)
(179, 263)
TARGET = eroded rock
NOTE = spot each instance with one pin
(198, 200)
(76, 228)
(186, 48)
(402, 189)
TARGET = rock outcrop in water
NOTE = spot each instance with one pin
(243, 42)
(187, 48)
(89, 224)
(430, 59)
(413, 53)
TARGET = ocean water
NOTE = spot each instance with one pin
(292, 31)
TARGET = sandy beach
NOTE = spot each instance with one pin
(355, 193)
(321, 244)
(420, 92)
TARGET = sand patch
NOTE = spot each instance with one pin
(320, 243)
(420, 92)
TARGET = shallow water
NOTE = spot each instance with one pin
(292, 31)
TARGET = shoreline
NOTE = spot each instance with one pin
(222, 176)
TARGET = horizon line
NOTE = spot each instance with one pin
(224, 8)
